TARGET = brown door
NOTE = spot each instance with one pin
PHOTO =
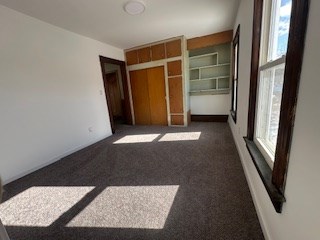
(113, 88)
(148, 95)
(157, 96)
(140, 96)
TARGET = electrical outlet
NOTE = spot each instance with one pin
(101, 93)
(239, 132)
(90, 129)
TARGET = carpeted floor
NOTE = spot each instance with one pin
(141, 183)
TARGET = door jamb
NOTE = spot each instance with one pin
(127, 110)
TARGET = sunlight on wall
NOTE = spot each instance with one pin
(141, 138)
(181, 136)
(143, 207)
(40, 206)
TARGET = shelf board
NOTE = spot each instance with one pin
(202, 79)
(207, 79)
(213, 91)
(204, 55)
(209, 66)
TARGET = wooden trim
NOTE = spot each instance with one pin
(209, 118)
(236, 41)
(127, 109)
(294, 58)
(210, 40)
(265, 173)
(255, 55)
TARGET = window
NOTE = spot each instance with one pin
(235, 67)
(274, 39)
(279, 28)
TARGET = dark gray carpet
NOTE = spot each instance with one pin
(168, 190)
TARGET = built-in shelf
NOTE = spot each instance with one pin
(210, 72)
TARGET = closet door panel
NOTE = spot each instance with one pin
(157, 94)
(140, 96)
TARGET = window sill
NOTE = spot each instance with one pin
(234, 116)
(265, 173)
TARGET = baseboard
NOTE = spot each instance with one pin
(209, 118)
(53, 160)
(252, 191)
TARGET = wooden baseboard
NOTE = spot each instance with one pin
(209, 118)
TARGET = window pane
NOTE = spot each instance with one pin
(234, 104)
(280, 24)
(236, 61)
(276, 104)
(269, 103)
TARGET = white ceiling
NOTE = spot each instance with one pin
(105, 20)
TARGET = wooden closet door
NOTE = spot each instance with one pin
(176, 95)
(140, 96)
(157, 96)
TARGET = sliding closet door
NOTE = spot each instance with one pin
(157, 96)
(140, 96)
(148, 95)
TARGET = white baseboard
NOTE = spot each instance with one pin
(55, 159)
(252, 190)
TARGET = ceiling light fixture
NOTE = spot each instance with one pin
(134, 7)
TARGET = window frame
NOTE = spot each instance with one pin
(235, 74)
(274, 179)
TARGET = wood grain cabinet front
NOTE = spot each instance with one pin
(174, 68)
(144, 55)
(158, 52)
(177, 120)
(175, 95)
(132, 57)
(173, 48)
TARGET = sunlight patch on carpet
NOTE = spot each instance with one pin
(180, 136)
(140, 138)
(141, 207)
(40, 206)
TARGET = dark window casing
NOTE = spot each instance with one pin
(235, 83)
(274, 180)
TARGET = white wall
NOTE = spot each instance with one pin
(210, 104)
(300, 218)
(51, 93)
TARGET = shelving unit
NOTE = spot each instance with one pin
(210, 70)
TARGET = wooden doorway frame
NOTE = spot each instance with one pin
(127, 108)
